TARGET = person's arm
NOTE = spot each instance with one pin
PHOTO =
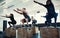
(43, 16)
(3, 16)
(6, 16)
(18, 11)
(39, 3)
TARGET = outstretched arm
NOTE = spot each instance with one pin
(18, 11)
(43, 16)
(3, 16)
(39, 3)
(6, 16)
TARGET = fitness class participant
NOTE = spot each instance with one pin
(11, 16)
(24, 13)
(50, 10)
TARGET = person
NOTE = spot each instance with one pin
(13, 21)
(47, 19)
(50, 10)
(34, 21)
(25, 14)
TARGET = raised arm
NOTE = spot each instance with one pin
(18, 11)
(39, 3)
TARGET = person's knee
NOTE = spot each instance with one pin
(22, 21)
(8, 22)
(26, 20)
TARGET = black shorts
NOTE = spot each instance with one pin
(13, 22)
(25, 20)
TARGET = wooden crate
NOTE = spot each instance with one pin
(10, 32)
(49, 32)
(26, 32)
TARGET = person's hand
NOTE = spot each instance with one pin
(41, 16)
(18, 9)
(14, 10)
(6, 14)
(34, 1)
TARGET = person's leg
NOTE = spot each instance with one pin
(10, 23)
(23, 21)
(48, 20)
(55, 16)
(13, 23)
(55, 19)
(26, 21)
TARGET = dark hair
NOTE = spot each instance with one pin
(49, 1)
(24, 8)
(11, 14)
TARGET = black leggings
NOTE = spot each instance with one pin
(13, 23)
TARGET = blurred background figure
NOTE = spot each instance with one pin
(34, 21)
